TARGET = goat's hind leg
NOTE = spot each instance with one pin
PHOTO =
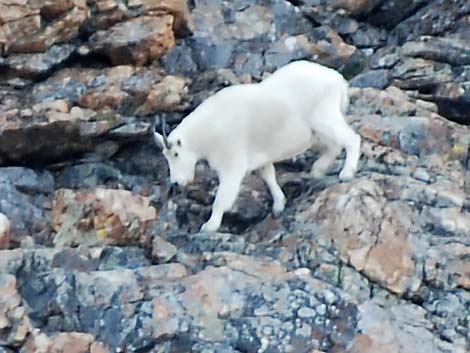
(268, 173)
(326, 159)
(336, 134)
(352, 144)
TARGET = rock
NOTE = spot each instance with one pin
(107, 13)
(100, 216)
(413, 136)
(420, 74)
(163, 251)
(379, 79)
(73, 342)
(14, 322)
(383, 255)
(369, 37)
(330, 49)
(46, 127)
(139, 41)
(389, 14)
(59, 105)
(450, 50)
(217, 30)
(400, 335)
(25, 199)
(306, 312)
(35, 27)
(131, 130)
(192, 247)
(212, 304)
(90, 105)
(179, 60)
(5, 230)
(453, 100)
(391, 102)
(357, 8)
(87, 175)
(136, 160)
(325, 47)
(182, 25)
(32, 65)
(167, 95)
(381, 60)
(434, 18)
(60, 133)
(72, 259)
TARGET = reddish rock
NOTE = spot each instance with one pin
(14, 322)
(39, 26)
(100, 216)
(167, 95)
(136, 41)
(178, 8)
(370, 234)
(69, 342)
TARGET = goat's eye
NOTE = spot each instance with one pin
(176, 154)
(178, 142)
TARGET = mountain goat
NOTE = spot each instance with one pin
(249, 127)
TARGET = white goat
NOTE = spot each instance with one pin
(249, 127)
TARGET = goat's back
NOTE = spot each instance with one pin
(313, 87)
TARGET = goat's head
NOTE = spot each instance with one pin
(179, 155)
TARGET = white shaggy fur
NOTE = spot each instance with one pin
(249, 127)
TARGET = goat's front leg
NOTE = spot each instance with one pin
(229, 186)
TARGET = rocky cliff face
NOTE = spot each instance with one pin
(95, 256)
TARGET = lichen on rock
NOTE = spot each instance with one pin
(97, 255)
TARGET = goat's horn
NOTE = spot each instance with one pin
(165, 137)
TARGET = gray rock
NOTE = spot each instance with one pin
(306, 312)
(391, 13)
(376, 78)
(87, 175)
(163, 251)
(33, 65)
(25, 198)
(453, 100)
(450, 50)
(321, 309)
(435, 18)
(368, 37)
(386, 61)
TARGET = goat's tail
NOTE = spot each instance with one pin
(344, 99)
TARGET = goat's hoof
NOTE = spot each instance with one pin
(277, 211)
(317, 173)
(346, 175)
(208, 228)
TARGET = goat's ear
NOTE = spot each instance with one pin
(157, 138)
